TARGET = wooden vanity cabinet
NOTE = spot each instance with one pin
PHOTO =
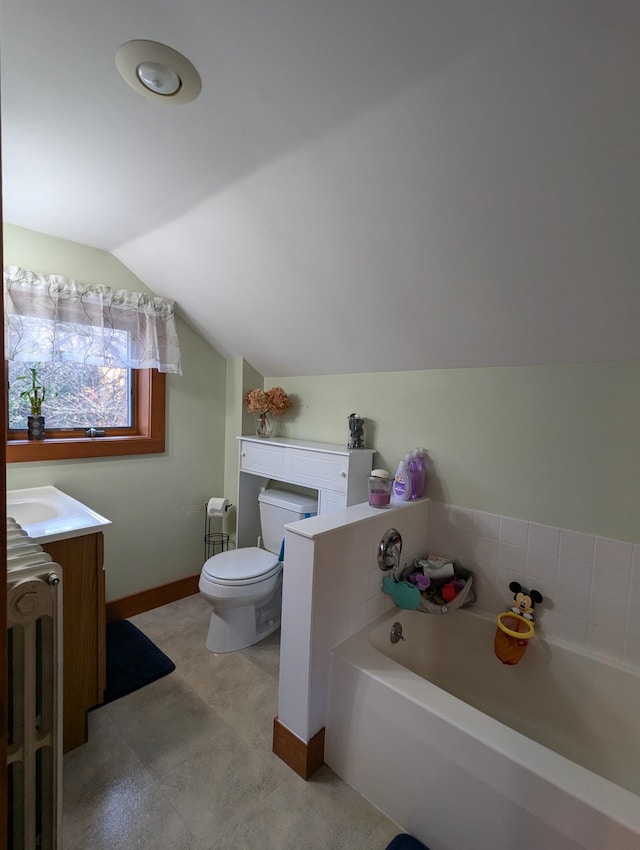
(84, 670)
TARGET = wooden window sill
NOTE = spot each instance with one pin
(149, 437)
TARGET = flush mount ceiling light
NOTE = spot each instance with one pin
(157, 71)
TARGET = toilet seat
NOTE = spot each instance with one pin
(241, 566)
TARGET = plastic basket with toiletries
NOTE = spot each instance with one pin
(434, 584)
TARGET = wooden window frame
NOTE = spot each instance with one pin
(148, 436)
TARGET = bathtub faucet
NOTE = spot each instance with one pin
(389, 550)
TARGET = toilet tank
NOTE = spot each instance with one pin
(279, 507)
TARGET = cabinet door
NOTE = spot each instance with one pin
(329, 501)
(83, 630)
(262, 459)
(319, 470)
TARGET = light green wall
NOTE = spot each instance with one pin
(241, 376)
(233, 427)
(156, 502)
(553, 444)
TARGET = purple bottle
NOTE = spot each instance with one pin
(412, 460)
(403, 483)
(421, 472)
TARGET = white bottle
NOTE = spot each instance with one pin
(402, 484)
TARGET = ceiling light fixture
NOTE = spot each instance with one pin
(157, 71)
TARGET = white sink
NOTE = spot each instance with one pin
(48, 514)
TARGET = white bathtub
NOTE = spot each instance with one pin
(468, 754)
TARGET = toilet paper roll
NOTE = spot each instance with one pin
(217, 506)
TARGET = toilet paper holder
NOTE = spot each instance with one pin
(217, 506)
(215, 541)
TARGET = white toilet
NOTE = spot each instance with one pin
(244, 586)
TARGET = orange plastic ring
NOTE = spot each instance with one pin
(519, 635)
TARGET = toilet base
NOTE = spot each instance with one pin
(231, 629)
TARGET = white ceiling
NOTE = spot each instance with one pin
(362, 185)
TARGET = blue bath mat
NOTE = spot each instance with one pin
(406, 842)
(133, 661)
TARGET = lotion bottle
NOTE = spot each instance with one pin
(402, 483)
(421, 472)
(415, 475)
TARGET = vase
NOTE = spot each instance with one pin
(264, 425)
(356, 431)
(35, 427)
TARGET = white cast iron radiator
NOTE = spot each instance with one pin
(34, 646)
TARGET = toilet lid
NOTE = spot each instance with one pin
(240, 564)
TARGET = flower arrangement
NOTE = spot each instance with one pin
(264, 402)
(274, 401)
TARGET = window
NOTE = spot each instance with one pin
(145, 436)
(101, 354)
(77, 396)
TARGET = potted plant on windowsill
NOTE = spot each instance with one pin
(36, 394)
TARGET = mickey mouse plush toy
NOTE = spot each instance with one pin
(524, 600)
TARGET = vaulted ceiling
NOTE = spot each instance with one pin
(362, 185)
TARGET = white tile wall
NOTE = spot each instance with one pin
(590, 584)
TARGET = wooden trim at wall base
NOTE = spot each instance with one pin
(302, 757)
(145, 600)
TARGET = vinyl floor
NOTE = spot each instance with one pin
(186, 764)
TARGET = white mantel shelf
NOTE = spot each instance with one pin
(290, 442)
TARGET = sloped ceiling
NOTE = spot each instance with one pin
(362, 185)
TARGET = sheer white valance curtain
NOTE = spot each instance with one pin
(50, 318)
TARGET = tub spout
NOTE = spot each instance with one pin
(389, 550)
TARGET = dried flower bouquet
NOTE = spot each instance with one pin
(274, 401)
(264, 402)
